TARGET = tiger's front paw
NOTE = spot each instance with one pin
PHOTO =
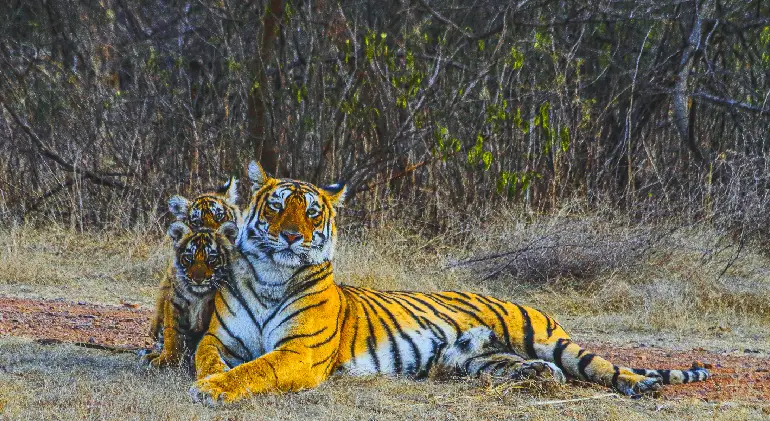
(215, 390)
(159, 360)
(539, 369)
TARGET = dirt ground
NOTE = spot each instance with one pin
(737, 376)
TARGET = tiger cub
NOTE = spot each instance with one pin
(478, 351)
(209, 210)
(201, 265)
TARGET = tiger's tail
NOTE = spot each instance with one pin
(696, 373)
(581, 364)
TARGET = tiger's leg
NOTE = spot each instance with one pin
(173, 343)
(478, 351)
(284, 370)
(165, 289)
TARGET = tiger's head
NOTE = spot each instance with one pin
(201, 257)
(209, 210)
(290, 222)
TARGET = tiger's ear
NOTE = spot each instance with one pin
(177, 231)
(229, 230)
(257, 176)
(336, 193)
(178, 207)
(230, 190)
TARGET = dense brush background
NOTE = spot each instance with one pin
(430, 110)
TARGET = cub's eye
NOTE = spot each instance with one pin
(212, 257)
(313, 212)
(187, 258)
(219, 214)
(274, 206)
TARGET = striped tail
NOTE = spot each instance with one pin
(697, 373)
(584, 365)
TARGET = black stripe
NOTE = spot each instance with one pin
(446, 318)
(686, 376)
(415, 350)
(272, 367)
(295, 314)
(585, 362)
(615, 376)
(297, 336)
(640, 371)
(551, 325)
(460, 300)
(285, 304)
(242, 301)
(485, 299)
(558, 350)
(395, 352)
(529, 332)
(337, 326)
(232, 335)
(451, 307)
(226, 348)
(370, 339)
(325, 360)
(350, 302)
(666, 375)
(506, 334)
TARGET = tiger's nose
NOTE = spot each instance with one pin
(291, 237)
(198, 273)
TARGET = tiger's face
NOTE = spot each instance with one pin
(290, 222)
(209, 210)
(201, 256)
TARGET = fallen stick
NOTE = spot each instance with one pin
(111, 348)
(561, 401)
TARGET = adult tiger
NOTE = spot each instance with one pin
(284, 324)
(207, 211)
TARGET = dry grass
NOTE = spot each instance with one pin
(65, 382)
(621, 282)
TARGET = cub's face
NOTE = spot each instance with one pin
(209, 210)
(290, 222)
(202, 256)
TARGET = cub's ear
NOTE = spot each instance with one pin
(177, 231)
(230, 190)
(336, 193)
(257, 176)
(178, 207)
(229, 230)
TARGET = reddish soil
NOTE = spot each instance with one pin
(736, 377)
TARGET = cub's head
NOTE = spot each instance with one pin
(201, 257)
(209, 210)
(290, 222)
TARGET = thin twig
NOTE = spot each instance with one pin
(561, 401)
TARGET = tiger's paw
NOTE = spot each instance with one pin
(214, 390)
(539, 369)
(158, 360)
(635, 385)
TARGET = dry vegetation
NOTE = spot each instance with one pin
(606, 278)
